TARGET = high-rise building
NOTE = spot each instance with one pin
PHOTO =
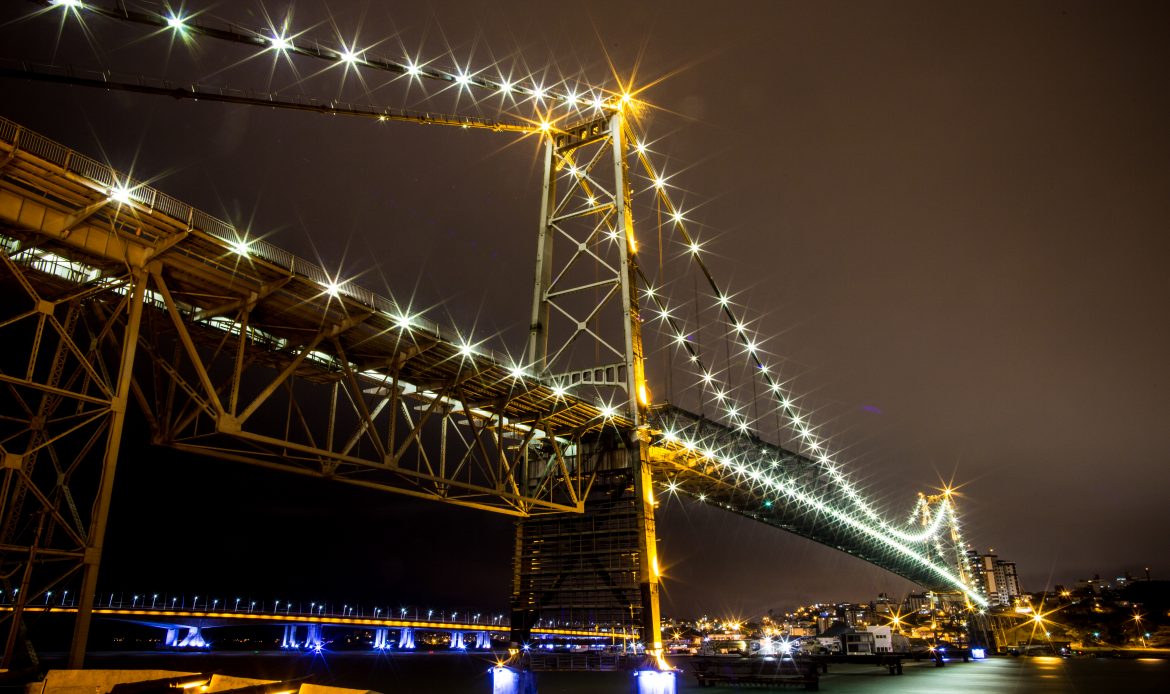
(994, 577)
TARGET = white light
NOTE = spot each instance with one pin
(240, 247)
(538, 93)
(120, 195)
(280, 43)
(516, 371)
(724, 300)
(677, 217)
(348, 56)
(333, 289)
(177, 23)
(708, 377)
(506, 87)
(573, 171)
(694, 248)
(592, 202)
(403, 321)
(559, 391)
(463, 79)
(413, 70)
(640, 147)
(465, 349)
(608, 412)
(67, 3)
(659, 183)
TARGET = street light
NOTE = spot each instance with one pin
(64, 596)
(195, 602)
(252, 606)
(48, 595)
(173, 601)
(153, 600)
(135, 602)
(237, 607)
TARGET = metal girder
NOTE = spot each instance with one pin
(708, 461)
(65, 403)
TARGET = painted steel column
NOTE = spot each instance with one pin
(101, 507)
(538, 328)
(639, 393)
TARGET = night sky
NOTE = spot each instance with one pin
(952, 220)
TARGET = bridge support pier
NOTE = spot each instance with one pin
(483, 641)
(290, 637)
(381, 638)
(193, 639)
(406, 639)
(313, 637)
(457, 643)
(172, 638)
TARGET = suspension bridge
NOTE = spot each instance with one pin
(122, 296)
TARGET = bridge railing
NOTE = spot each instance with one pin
(106, 178)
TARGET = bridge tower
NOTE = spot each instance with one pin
(599, 567)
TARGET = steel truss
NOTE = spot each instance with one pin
(251, 355)
(820, 512)
(586, 337)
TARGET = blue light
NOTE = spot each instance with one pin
(505, 680)
(978, 653)
(656, 681)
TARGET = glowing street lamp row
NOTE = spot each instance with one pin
(283, 42)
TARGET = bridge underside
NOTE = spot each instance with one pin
(233, 348)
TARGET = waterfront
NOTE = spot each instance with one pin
(444, 673)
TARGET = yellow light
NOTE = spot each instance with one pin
(545, 126)
(643, 394)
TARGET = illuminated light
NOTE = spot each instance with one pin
(413, 70)
(516, 371)
(724, 300)
(626, 98)
(643, 394)
(240, 247)
(177, 23)
(640, 148)
(120, 195)
(333, 288)
(348, 56)
(740, 327)
(677, 217)
(694, 248)
(592, 201)
(574, 171)
(702, 497)
(403, 321)
(680, 338)
(720, 395)
(559, 391)
(707, 377)
(751, 346)
(659, 183)
(465, 350)
(545, 126)
(280, 43)
(506, 87)
(608, 412)
(67, 3)
(538, 93)
(463, 79)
